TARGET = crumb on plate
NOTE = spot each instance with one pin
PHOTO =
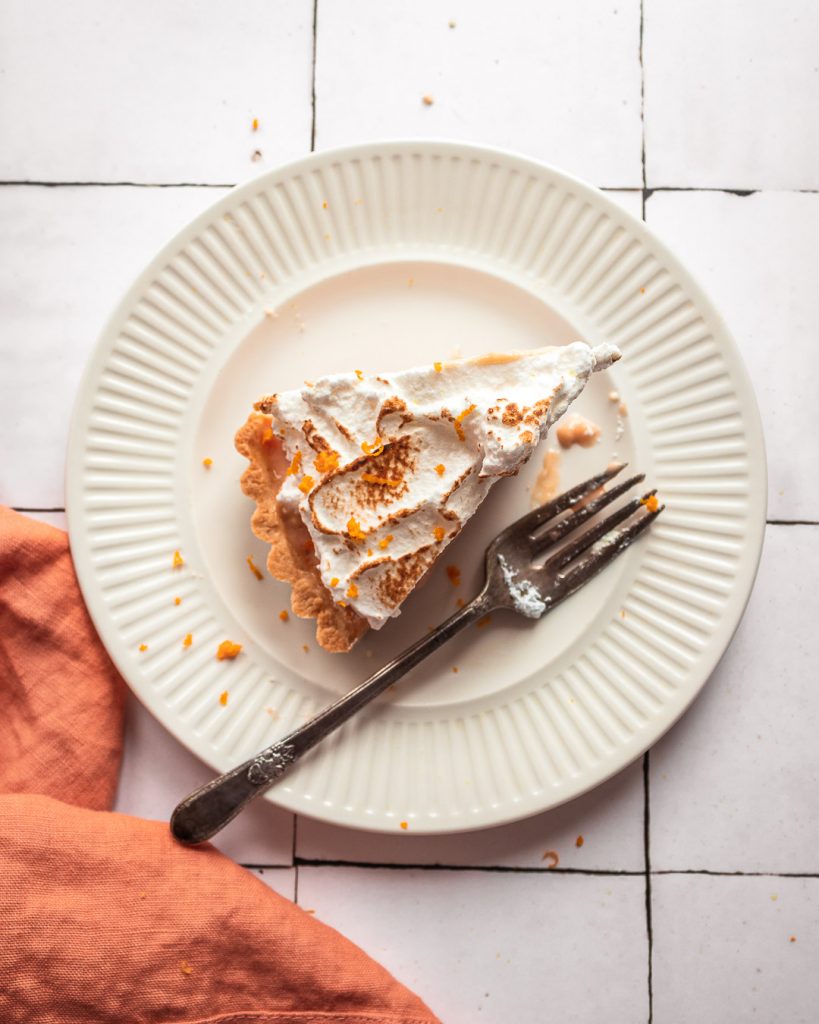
(227, 650)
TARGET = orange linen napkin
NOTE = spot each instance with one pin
(104, 918)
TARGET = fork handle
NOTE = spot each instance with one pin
(208, 809)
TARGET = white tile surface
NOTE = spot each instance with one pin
(757, 258)
(722, 950)
(730, 90)
(559, 81)
(156, 92)
(733, 786)
(280, 880)
(157, 772)
(67, 256)
(631, 201)
(609, 820)
(497, 948)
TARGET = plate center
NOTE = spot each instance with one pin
(387, 317)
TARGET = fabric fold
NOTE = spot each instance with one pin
(105, 917)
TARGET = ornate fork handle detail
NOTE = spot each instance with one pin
(272, 764)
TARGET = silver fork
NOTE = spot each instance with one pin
(528, 570)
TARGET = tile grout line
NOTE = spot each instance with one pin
(647, 857)
(313, 80)
(644, 193)
(648, 192)
(644, 197)
(315, 862)
(121, 184)
(295, 861)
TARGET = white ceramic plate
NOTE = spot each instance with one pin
(378, 257)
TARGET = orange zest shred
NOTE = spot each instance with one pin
(306, 484)
(376, 448)
(454, 575)
(352, 591)
(188, 640)
(650, 502)
(178, 560)
(177, 600)
(207, 463)
(579, 842)
(359, 374)
(438, 367)
(325, 462)
(439, 533)
(143, 647)
(354, 530)
(223, 698)
(294, 465)
(385, 481)
(284, 615)
(267, 435)
(255, 124)
(343, 604)
(257, 572)
(385, 543)
(440, 469)
(227, 650)
(459, 430)
(369, 552)
(334, 581)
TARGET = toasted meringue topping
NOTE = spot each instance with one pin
(405, 459)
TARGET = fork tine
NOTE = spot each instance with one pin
(594, 561)
(577, 516)
(543, 513)
(588, 537)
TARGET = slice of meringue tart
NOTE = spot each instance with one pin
(361, 481)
